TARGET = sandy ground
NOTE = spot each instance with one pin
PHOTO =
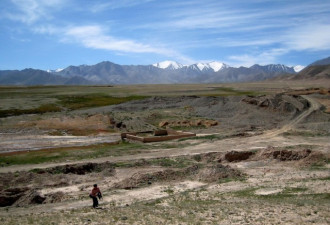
(12, 142)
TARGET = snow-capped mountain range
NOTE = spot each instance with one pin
(171, 72)
(215, 66)
(166, 72)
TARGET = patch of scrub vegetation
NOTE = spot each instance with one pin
(69, 102)
(323, 178)
(232, 179)
(321, 165)
(73, 102)
(179, 162)
(38, 110)
(289, 194)
(227, 91)
(306, 133)
(71, 153)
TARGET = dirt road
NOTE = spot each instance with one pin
(314, 106)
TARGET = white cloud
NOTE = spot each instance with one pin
(263, 58)
(114, 4)
(226, 14)
(258, 34)
(309, 37)
(96, 37)
(30, 11)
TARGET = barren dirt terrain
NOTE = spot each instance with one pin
(260, 155)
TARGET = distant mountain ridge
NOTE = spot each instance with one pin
(171, 72)
(321, 62)
(166, 72)
(318, 70)
(37, 77)
(215, 66)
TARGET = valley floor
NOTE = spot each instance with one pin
(274, 175)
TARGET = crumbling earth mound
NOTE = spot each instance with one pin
(80, 169)
(26, 196)
(285, 155)
(9, 196)
(279, 102)
(217, 172)
(235, 156)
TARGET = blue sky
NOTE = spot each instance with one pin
(50, 34)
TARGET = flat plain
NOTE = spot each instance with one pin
(260, 155)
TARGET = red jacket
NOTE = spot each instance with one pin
(95, 191)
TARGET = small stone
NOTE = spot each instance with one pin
(124, 218)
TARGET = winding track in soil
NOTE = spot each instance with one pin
(314, 106)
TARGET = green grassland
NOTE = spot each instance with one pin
(37, 99)
(86, 152)
(71, 153)
(40, 99)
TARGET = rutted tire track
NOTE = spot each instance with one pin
(314, 105)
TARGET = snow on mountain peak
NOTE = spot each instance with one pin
(216, 66)
(53, 71)
(168, 65)
(201, 66)
(298, 68)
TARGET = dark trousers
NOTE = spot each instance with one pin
(95, 201)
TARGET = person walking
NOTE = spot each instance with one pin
(95, 193)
